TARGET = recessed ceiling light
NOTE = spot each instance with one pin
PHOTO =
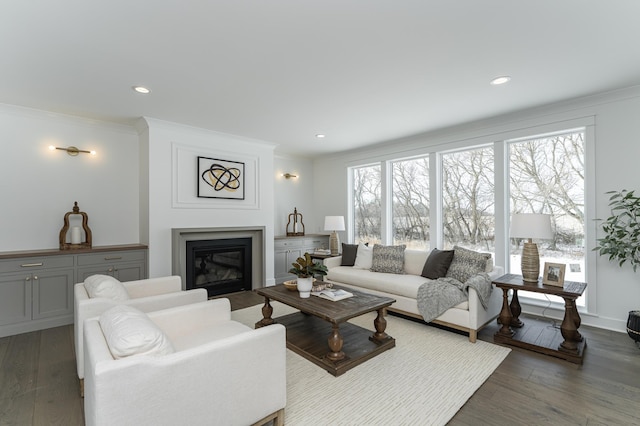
(500, 80)
(320, 136)
(141, 89)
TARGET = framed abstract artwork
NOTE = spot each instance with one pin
(220, 178)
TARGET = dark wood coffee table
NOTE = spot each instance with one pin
(322, 322)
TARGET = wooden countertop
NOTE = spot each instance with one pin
(58, 252)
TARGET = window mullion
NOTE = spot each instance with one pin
(386, 230)
(435, 195)
(501, 182)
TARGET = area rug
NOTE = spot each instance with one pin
(424, 380)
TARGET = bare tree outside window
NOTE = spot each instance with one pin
(547, 176)
(411, 206)
(468, 199)
(367, 204)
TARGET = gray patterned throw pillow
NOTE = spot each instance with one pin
(388, 259)
(467, 263)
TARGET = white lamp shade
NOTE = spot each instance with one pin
(334, 223)
(531, 225)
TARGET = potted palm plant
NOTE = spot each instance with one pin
(306, 269)
(621, 241)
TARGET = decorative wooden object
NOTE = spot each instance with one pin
(297, 229)
(87, 232)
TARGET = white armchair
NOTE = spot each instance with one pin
(221, 372)
(146, 295)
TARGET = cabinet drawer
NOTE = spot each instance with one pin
(316, 242)
(287, 244)
(110, 257)
(26, 264)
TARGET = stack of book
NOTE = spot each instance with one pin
(332, 294)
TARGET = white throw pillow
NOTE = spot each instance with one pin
(105, 286)
(129, 331)
(364, 257)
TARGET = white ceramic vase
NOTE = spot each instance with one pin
(304, 287)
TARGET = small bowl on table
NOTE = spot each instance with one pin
(291, 285)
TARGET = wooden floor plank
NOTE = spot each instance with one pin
(38, 383)
(57, 393)
(18, 378)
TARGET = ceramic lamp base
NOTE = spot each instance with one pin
(334, 243)
(530, 263)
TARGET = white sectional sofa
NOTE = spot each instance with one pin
(468, 316)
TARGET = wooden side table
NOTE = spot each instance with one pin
(569, 345)
(321, 258)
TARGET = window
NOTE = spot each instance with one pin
(546, 175)
(468, 199)
(398, 200)
(367, 203)
(410, 203)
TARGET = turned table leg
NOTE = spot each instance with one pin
(267, 311)
(505, 315)
(516, 310)
(569, 327)
(335, 344)
(381, 325)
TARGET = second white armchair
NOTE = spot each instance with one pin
(185, 365)
(147, 295)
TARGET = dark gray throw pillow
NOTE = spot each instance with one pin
(349, 252)
(437, 264)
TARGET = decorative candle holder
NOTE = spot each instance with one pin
(76, 233)
(295, 220)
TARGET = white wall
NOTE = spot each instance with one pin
(171, 152)
(294, 193)
(38, 186)
(617, 153)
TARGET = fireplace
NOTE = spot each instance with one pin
(219, 266)
(235, 253)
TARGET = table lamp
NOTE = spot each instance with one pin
(333, 224)
(531, 225)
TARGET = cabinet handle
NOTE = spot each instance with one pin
(29, 265)
(113, 258)
(28, 278)
(110, 270)
(35, 277)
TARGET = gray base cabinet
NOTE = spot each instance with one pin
(122, 265)
(36, 287)
(288, 249)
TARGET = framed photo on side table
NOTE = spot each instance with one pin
(553, 274)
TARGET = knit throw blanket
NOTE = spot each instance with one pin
(436, 296)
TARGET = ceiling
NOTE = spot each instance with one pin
(359, 71)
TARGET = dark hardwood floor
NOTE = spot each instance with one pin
(39, 386)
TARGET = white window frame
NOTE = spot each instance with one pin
(498, 140)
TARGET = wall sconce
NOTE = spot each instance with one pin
(289, 175)
(72, 150)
